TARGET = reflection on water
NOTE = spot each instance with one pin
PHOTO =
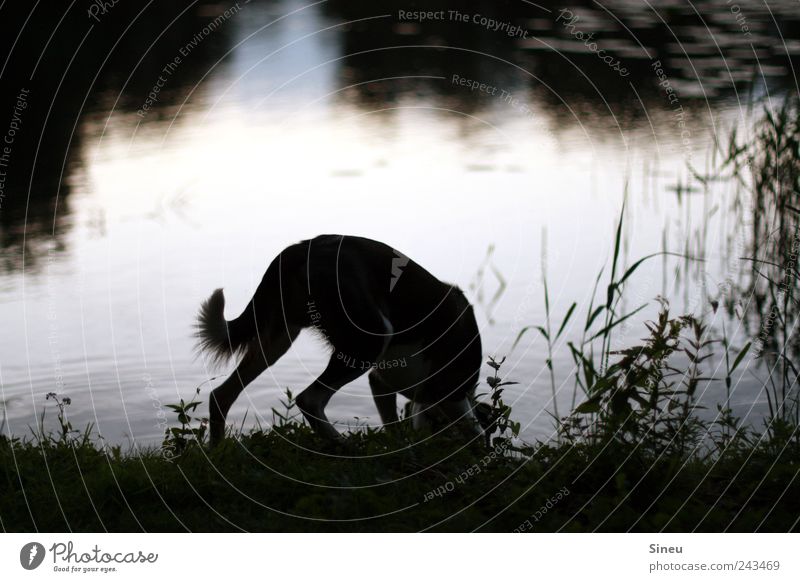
(165, 151)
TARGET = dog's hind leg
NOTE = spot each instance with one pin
(255, 361)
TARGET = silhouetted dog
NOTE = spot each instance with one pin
(379, 311)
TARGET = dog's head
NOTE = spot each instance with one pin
(483, 412)
(436, 420)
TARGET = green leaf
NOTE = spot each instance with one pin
(566, 319)
(593, 316)
(741, 355)
(516, 341)
(635, 266)
(588, 407)
(494, 363)
(521, 333)
(617, 242)
(642, 402)
(615, 323)
(546, 298)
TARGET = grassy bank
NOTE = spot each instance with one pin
(285, 479)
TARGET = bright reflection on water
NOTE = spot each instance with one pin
(274, 142)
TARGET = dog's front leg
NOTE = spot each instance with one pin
(385, 400)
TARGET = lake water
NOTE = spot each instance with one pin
(278, 121)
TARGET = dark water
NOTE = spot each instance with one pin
(159, 151)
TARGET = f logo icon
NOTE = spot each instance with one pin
(31, 555)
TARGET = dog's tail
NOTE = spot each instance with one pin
(221, 339)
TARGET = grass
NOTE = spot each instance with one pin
(285, 479)
(637, 452)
